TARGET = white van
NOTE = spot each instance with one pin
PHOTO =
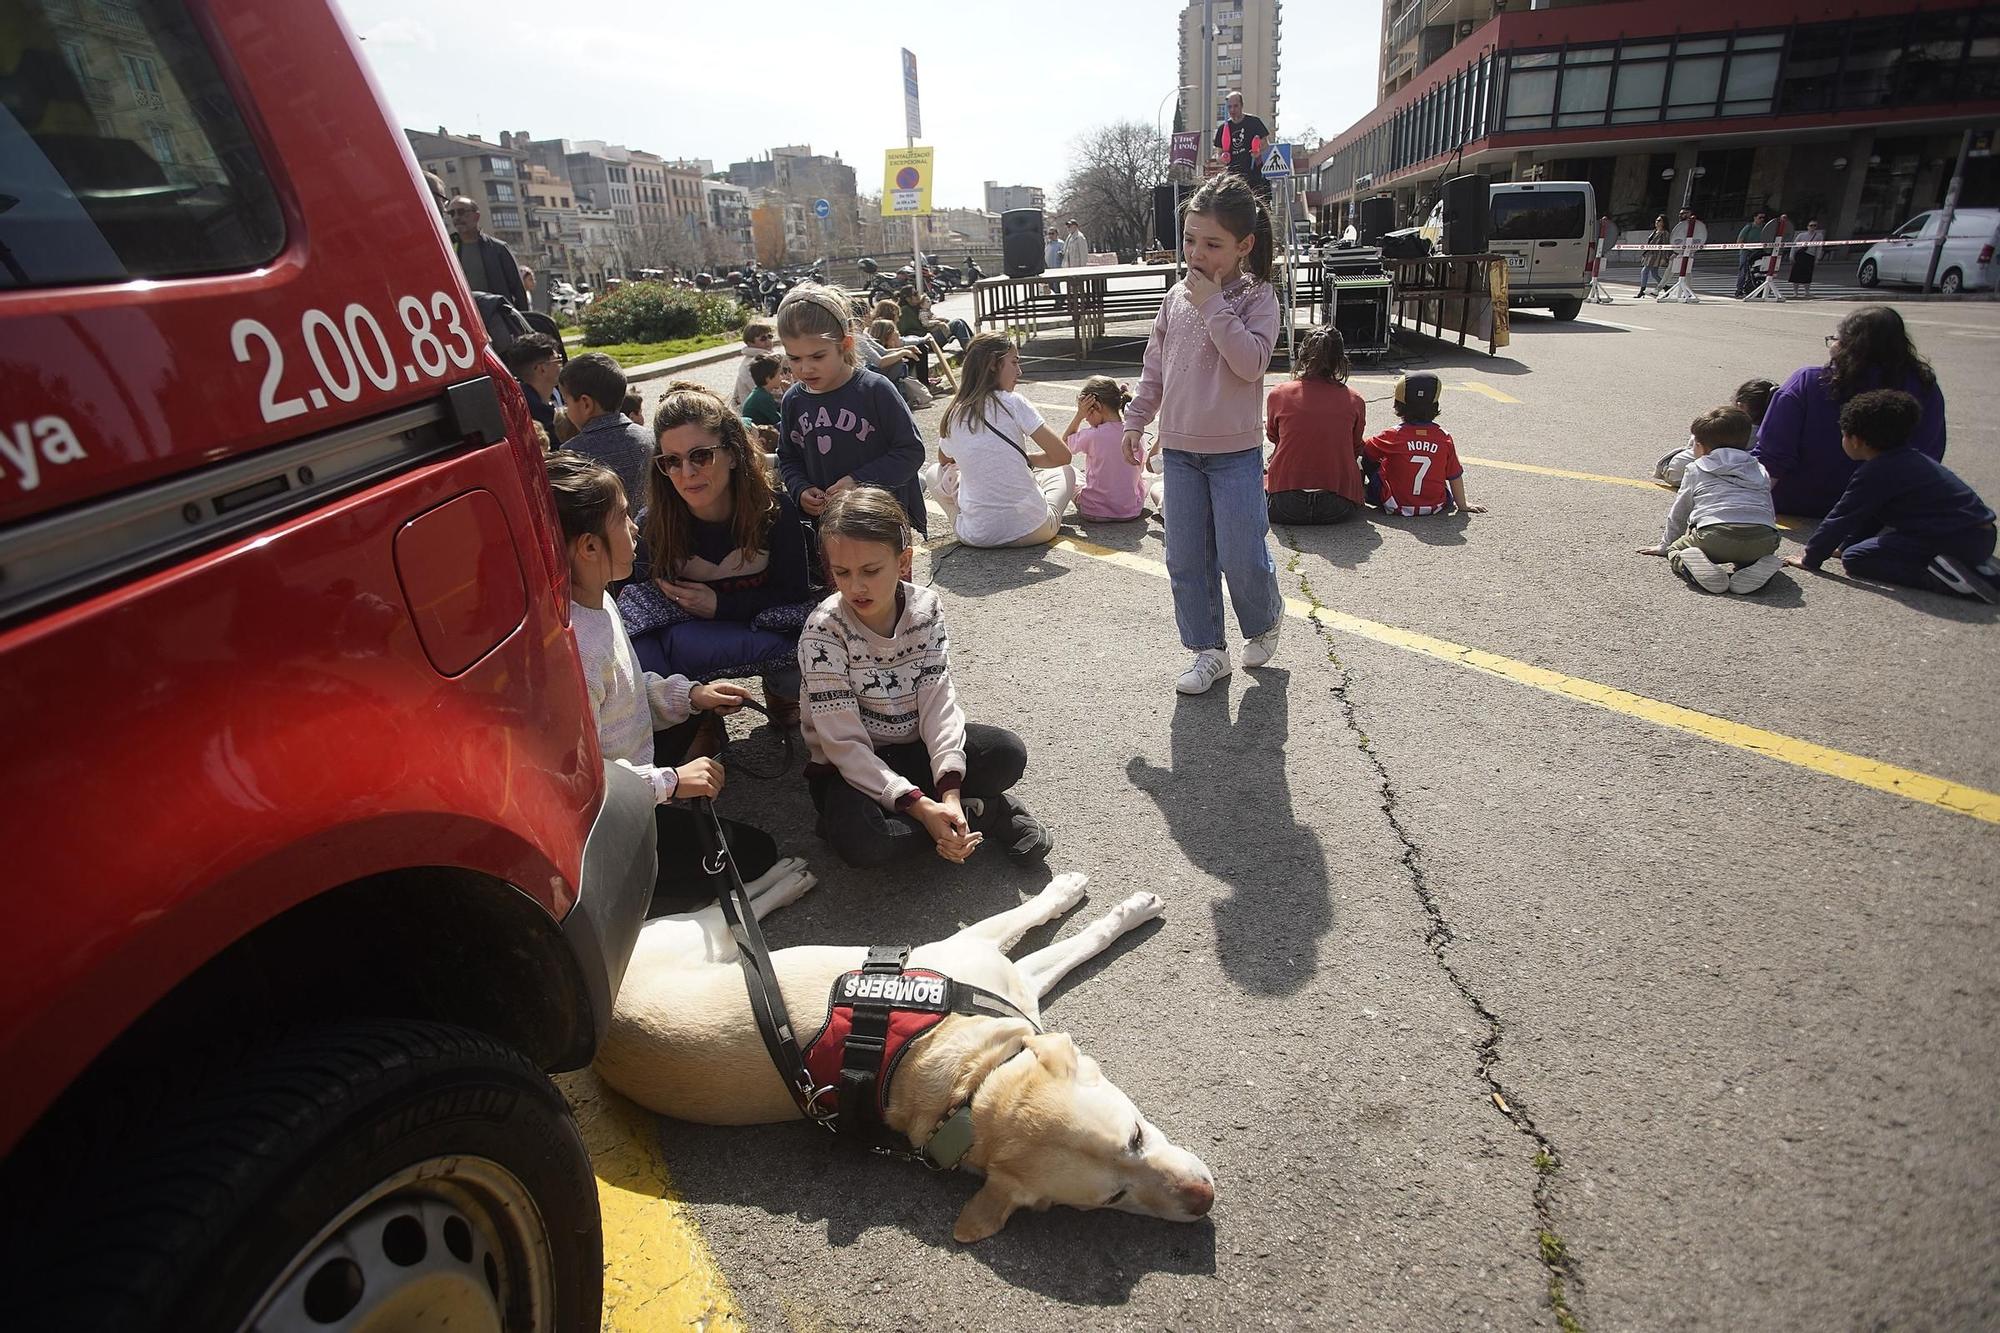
(1546, 229)
(1905, 254)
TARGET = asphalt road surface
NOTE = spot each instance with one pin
(1493, 997)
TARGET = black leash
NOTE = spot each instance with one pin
(786, 739)
(767, 1002)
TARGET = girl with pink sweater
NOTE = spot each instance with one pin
(1204, 379)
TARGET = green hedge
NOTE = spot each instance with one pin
(650, 312)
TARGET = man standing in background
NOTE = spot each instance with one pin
(1075, 247)
(489, 265)
(1240, 141)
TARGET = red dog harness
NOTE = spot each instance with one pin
(873, 1017)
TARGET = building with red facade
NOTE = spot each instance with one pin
(1851, 112)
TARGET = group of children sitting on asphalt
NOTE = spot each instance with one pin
(893, 763)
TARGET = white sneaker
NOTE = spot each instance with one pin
(1210, 665)
(1261, 649)
(1750, 577)
(1694, 562)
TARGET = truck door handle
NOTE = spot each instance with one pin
(1550, 244)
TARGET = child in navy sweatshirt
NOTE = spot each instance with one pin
(843, 425)
(1904, 517)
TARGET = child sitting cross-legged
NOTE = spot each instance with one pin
(1002, 476)
(1418, 467)
(894, 766)
(629, 702)
(1905, 517)
(1722, 516)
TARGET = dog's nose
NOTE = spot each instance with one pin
(1197, 1197)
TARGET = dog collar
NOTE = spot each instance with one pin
(952, 1139)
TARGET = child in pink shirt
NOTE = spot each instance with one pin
(1204, 376)
(1114, 487)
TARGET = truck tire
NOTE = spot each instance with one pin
(1567, 307)
(374, 1174)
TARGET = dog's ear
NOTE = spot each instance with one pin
(1056, 1052)
(987, 1211)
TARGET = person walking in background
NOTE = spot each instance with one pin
(1653, 259)
(1076, 247)
(1751, 238)
(1204, 378)
(488, 264)
(1799, 440)
(1052, 251)
(1805, 258)
(1241, 141)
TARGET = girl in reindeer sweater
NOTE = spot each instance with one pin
(893, 765)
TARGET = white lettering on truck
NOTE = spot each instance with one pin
(26, 445)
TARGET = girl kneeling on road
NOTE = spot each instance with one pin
(893, 765)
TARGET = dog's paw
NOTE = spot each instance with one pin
(1139, 908)
(1066, 890)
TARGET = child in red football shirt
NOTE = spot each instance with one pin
(1418, 466)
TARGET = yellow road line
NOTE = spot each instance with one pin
(1643, 483)
(658, 1272)
(1955, 797)
(1485, 389)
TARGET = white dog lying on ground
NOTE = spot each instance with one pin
(1045, 1130)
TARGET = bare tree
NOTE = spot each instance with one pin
(1109, 188)
(672, 244)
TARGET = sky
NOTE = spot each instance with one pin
(1006, 87)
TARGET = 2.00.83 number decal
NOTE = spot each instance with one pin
(354, 348)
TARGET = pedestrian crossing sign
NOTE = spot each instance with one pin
(1278, 162)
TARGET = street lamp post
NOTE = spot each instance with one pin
(1172, 243)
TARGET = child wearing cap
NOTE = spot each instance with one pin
(1418, 464)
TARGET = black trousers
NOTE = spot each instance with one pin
(864, 834)
(680, 883)
(1306, 508)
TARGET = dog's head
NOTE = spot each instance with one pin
(1062, 1133)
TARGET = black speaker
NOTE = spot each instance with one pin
(1022, 242)
(1166, 226)
(1468, 209)
(1374, 218)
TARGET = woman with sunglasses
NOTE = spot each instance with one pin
(1798, 442)
(723, 586)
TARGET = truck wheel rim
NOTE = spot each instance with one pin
(452, 1242)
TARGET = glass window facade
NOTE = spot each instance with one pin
(1919, 58)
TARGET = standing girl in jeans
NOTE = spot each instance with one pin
(1204, 379)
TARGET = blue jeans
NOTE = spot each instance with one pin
(1216, 526)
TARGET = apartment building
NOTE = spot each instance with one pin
(1006, 198)
(1229, 46)
(1850, 111)
(801, 176)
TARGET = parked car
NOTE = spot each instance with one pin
(1904, 256)
(314, 867)
(1547, 230)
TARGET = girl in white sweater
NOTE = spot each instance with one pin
(629, 702)
(893, 764)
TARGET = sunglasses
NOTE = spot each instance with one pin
(696, 460)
